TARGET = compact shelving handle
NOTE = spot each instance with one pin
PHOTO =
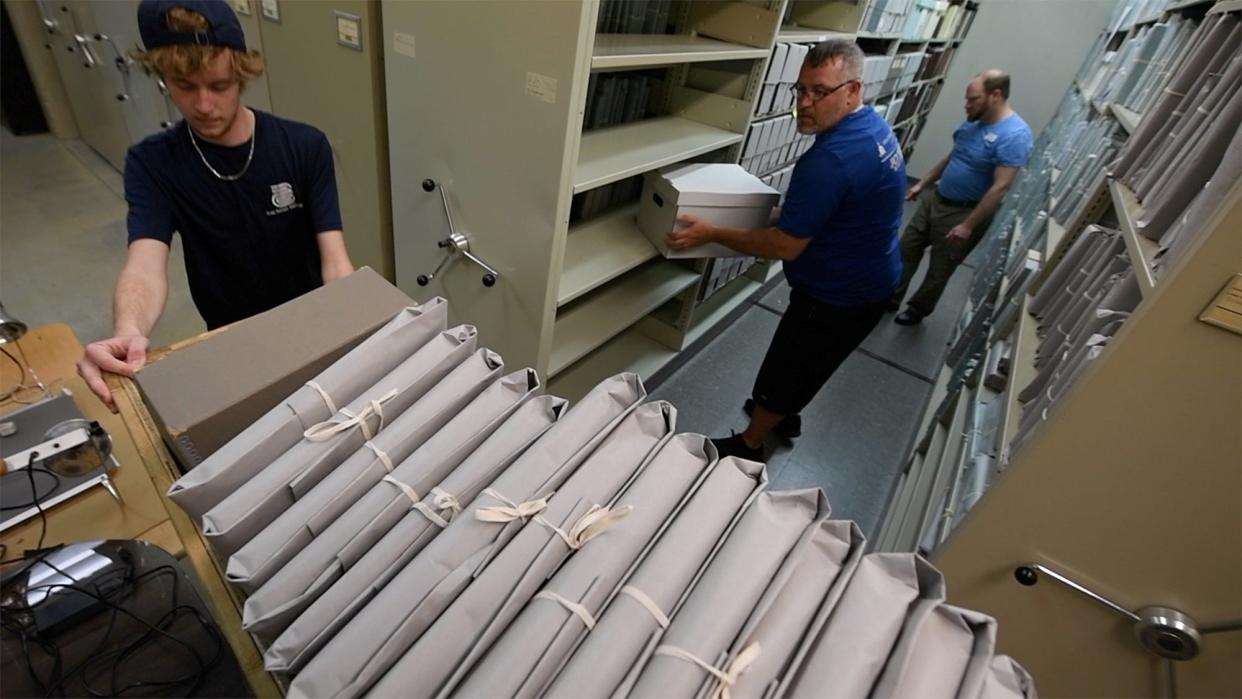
(1165, 632)
(456, 243)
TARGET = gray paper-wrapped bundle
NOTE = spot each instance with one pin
(1060, 274)
(1007, 679)
(796, 604)
(281, 427)
(414, 597)
(940, 655)
(452, 412)
(338, 572)
(523, 659)
(691, 653)
(886, 592)
(260, 500)
(608, 652)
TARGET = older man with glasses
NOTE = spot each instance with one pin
(837, 235)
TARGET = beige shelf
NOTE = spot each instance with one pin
(1021, 372)
(615, 153)
(1142, 251)
(882, 37)
(1129, 120)
(597, 318)
(617, 51)
(720, 304)
(1056, 233)
(805, 35)
(629, 351)
(600, 250)
(1224, 6)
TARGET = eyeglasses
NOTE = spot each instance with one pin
(816, 93)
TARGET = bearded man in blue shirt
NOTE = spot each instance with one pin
(960, 194)
(837, 237)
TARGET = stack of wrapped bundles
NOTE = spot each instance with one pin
(417, 522)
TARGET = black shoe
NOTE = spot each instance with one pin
(788, 429)
(908, 317)
(736, 446)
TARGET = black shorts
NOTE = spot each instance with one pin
(812, 340)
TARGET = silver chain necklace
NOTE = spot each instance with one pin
(228, 178)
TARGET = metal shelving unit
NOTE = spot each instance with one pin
(1142, 250)
(624, 51)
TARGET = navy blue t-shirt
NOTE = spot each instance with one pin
(846, 196)
(250, 244)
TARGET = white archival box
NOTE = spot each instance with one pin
(722, 194)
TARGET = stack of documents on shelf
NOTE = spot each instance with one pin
(471, 537)
(1187, 133)
(628, 17)
(1083, 303)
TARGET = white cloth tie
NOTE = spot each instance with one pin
(727, 677)
(511, 510)
(409, 492)
(327, 399)
(596, 521)
(328, 429)
(440, 502)
(642, 598)
(577, 609)
(379, 454)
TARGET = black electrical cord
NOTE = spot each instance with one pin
(112, 660)
(37, 498)
(21, 371)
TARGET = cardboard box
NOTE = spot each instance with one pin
(723, 194)
(205, 393)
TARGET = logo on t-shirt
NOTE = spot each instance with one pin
(990, 137)
(283, 199)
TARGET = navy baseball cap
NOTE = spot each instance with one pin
(223, 29)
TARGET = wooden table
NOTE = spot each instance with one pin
(146, 471)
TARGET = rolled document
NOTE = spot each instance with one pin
(586, 516)
(452, 413)
(349, 563)
(797, 604)
(1006, 679)
(261, 499)
(411, 600)
(281, 427)
(887, 592)
(940, 655)
(612, 648)
(691, 653)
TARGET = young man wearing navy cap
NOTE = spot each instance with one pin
(252, 195)
(837, 236)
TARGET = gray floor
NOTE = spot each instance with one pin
(62, 243)
(858, 431)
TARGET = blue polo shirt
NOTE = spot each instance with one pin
(978, 149)
(251, 243)
(846, 196)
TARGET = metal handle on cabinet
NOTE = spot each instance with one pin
(122, 63)
(456, 243)
(1165, 632)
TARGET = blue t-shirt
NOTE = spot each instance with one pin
(846, 196)
(250, 244)
(978, 149)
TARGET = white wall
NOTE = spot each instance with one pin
(1041, 43)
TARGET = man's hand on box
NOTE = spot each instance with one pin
(123, 354)
(691, 232)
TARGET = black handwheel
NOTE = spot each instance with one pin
(1025, 575)
(423, 280)
(489, 280)
(429, 185)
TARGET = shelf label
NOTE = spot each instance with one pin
(403, 44)
(541, 87)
